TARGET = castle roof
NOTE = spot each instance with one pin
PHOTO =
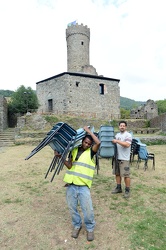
(79, 74)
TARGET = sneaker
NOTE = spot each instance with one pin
(75, 232)
(126, 194)
(90, 236)
(116, 190)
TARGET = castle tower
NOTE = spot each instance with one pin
(78, 39)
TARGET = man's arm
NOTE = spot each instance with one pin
(96, 146)
(122, 143)
(68, 163)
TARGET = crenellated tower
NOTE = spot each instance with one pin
(78, 40)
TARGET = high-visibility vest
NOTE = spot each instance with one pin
(82, 170)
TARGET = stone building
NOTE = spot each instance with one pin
(80, 91)
(147, 111)
(3, 113)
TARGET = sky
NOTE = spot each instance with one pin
(127, 42)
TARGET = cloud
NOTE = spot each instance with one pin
(128, 42)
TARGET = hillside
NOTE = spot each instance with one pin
(129, 104)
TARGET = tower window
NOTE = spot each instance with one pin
(50, 105)
(82, 43)
(77, 83)
(101, 89)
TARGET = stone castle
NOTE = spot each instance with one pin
(80, 91)
(147, 111)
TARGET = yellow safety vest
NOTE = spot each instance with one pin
(82, 170)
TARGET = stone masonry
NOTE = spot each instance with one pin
(79, 95)
(3, 113)
(80, 91)
(147, 111)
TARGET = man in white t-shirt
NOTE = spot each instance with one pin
(123, 140)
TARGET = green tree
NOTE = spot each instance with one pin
(23, 100)
(125, 114)
(161, 104)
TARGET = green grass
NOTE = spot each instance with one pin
(144, 223)
(148, 231)
(9, 200)
(36, 209)
(156, 142)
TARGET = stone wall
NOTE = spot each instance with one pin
(147, 111)
(159, 122)
(78, 41)
(80, 95)
(3, 113)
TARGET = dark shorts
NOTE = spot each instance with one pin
(122, 168)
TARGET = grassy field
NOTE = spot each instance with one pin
(34, 214)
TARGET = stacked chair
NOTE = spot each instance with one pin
(134, 150)
(107, 148)
(138, 148)
(61, 138)
(144, 155)
(106, 135)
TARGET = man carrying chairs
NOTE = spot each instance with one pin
(79, 175)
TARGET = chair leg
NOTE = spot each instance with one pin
(146, 165)
(97, 163)
(138, 162)
(153, 163)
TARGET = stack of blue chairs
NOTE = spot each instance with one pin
(106, 135)
(61, 138)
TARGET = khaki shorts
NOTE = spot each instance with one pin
(122, 168)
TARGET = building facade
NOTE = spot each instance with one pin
(80, 91)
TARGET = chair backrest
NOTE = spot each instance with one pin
(134, 147)
(142, 151)
(106, 135)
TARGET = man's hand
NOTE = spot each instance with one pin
(57, 154)
(86, 129)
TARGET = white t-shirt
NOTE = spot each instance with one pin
(124, 152)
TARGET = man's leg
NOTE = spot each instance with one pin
(118, 179)
(72, 201)
(87, 210)
(116, 172)
(118, 188)
(127, 179)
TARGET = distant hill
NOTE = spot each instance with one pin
(6, 93)
(129, 104)
(125, 103)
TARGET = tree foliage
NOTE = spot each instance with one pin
(23, 100)
(125, 114)
(6, 93)
(161, 104)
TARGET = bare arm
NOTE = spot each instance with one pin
(122, 143)
(68, 163)
(96, 146)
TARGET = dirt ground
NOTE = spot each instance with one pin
(34, 214)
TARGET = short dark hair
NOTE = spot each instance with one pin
(123, 122)
(89, 137)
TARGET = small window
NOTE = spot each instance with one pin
(50, 105)
(82, 43)
(77, 83)
(101, 90)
